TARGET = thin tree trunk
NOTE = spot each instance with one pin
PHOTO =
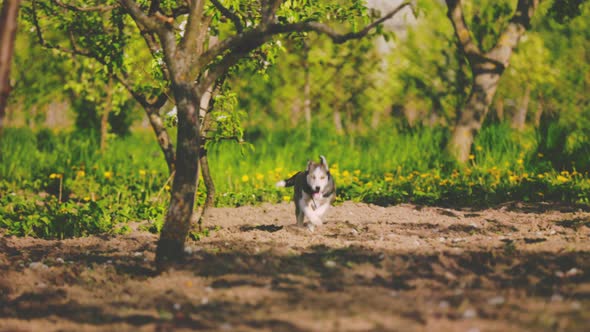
(500, 110)
(338, 122)
(178, 219)
(208, 180)
(104, 120)
(519, 118)
(539, 113)
(307, 91)
(8, 25)
(162, 135)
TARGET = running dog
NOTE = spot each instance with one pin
(314, 192)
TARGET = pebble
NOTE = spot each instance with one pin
(469, 313)
(496, 300)
(444, 304)
(38, 266)
(59, 260)
(176, 306)
(556, 298)
(330, 264)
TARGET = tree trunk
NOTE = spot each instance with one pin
(519, 118)
(8, 25)
(176, 227)
(470, 118)
(162, 136)
(338, 122)
(104, 120)
(487, 67)
(307, 91)
(500, 110)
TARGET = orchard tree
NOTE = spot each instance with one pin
(486, 68)
(194, 43)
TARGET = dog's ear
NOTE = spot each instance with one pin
(324, 162)
(309, 164)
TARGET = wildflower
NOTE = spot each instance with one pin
(86, 198)
(259, 176)
(513, 178)
(540, 155)
(471, 157)
(389, 179)
(425, 175)
(540, 194)
(369, 184)
(346, 173)
(520, 161)
(245, 178)
(142, 172)
(540, 176)
(167, 187)
(478, 148)
(108, 175)
(80, 174)
(562, 179)
(286, 198)
(357, 172)
(55, 176)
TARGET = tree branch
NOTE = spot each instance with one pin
(229, 14)
(247, 41)
(100, 9)
(194, 27)
(46, 44)
(138, 15)
(520, 21)
(455, 14)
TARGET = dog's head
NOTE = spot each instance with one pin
(318, 176)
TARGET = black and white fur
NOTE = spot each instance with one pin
(314, 192)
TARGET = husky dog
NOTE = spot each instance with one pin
(313, 193)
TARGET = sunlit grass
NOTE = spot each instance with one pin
(60, 184)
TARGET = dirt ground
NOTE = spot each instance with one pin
(514, 267)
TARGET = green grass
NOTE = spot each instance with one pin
(57, 185)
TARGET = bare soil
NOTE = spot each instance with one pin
(515, 267)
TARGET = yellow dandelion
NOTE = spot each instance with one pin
(471, 157)
(142, 172)
(357, 172)
(540, 155)
(540, 194)
(520, 161)
(259, 176)
(562, 179)
(389, 179)
(86, 198)
(286, 198)
(478, 148)
(540, 176)
(80, 174)
(369, 184)
(513, 178)
(167, 187)
(108, 175)
(346, 173)
(245, 178)
(55, 176)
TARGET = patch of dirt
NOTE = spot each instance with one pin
(370, 268)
